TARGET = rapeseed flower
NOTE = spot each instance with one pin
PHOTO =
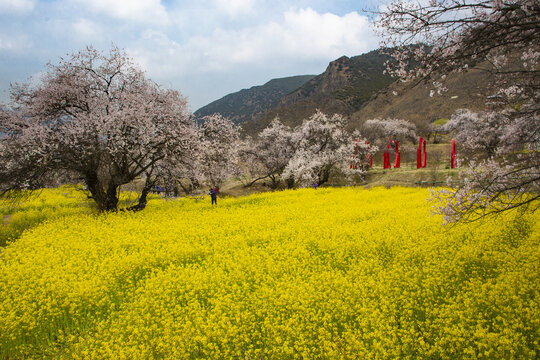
(328, 273)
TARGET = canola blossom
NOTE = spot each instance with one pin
(307, 274)
(48, 204)
(37, 207)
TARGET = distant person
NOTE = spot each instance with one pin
(213, 195)
(316, 186)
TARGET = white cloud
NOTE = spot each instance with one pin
(235, 8)
(15, 43)
(290, 45)
(142, 11)
(17, 6)
(301, 34)
(309, 32)
(86, 30)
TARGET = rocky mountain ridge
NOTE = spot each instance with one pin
(355, 87)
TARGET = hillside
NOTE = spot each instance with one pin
(355, 87)
(345, 86)
(250, 104)
(413, 102)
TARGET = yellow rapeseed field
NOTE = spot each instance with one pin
(307, 274)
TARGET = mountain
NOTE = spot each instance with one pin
(345, 86)
(251, 104)
(351, 81)
(357, 88)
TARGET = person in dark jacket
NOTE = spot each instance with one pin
(213, 195)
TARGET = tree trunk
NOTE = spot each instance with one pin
(143, 199)
(290, 183)
(324, 175)
(112, 197)
(275, 182)
(106, 200)
(254, 181)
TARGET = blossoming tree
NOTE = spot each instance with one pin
(482, 132)
(322, 145)
(502, 36)
(218, 155)
(96, 116)
(307, 154)
(270, 153)
(381, 130)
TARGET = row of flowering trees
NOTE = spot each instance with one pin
(305, 155)
(96, 118)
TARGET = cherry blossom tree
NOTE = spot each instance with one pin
(308, 154)
(481, 132)
(381, 130)
(270, 153)
(501, 36)
(323, 146)
(95, 116)
(219, 146)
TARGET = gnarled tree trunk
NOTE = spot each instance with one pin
(105, 195)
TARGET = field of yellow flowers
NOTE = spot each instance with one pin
(307, 274)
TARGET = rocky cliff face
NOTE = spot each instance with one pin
(345, 86)
(349, 80)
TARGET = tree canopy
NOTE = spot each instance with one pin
(97, 117)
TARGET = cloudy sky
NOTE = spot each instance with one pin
(205, 49)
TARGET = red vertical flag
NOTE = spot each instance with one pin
(419, 154)
(453, 155)
(424, 162)
(397, 163)
(387, 156)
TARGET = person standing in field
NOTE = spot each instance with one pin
(213, 195)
